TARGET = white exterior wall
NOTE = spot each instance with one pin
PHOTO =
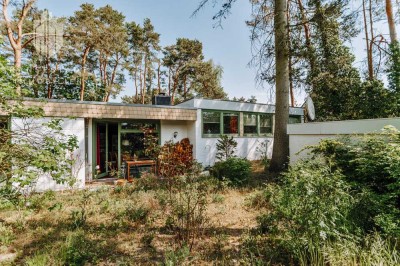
(206, 149)
(301, 135)
(69, 127)
(246, 148)
(169, 127)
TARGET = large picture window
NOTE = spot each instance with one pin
(231, 123)
(250, 124)
(211, 123)
(265, 124)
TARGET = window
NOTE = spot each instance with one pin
(138, 126)
(250, 124)
(231, 123)
(265, 124)
(294, 119)
(211, 122)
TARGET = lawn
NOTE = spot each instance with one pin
(128, 225)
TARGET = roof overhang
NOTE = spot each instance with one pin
(99, 110)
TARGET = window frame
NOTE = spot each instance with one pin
(202, 123)
(257, 134)
(241, 133)
(271, 117)
(221, 123)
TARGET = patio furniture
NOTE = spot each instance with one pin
(140, 164)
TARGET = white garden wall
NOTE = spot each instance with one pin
(69, 127)
(301, 135)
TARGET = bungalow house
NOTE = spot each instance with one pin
(109, 133)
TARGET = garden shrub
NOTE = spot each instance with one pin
(149, 181)
(371, 250)
(226, 147)
(371, 165)
(176, 158)
(187, 206)
(237, 170)
(309, 208)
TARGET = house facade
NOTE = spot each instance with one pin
(111, 133)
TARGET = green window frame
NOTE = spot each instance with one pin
(230, 123)
(265, 124)
(211, 123)
(216, 123)
(250, 124)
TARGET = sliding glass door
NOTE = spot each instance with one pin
(106, 148)
(118, 141)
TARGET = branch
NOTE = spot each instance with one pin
(25, 9)
(221, 14)
(7, 20)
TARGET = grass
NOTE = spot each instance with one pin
(121, 226)
(132, 225)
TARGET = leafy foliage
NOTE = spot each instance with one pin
(345, 195)
(176, 158)
(29, 149)
(310, 207)
(226, 147)
(394, 68)
(371, 165)
(236, 170)
(188, 203)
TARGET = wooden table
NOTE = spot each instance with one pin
(150, 163)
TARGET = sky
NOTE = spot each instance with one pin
(228, 46)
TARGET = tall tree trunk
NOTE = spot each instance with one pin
(290, 58)
(281, 141)
(368, 42)
(309, 46)
(144, 80)
(169, 81)
(136, 85)
(391, 22)
(159, 77)
(184, 88)
(16, 42)
(83, 70)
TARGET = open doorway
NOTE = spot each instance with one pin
(106, 148)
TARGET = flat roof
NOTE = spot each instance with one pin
(210, 104)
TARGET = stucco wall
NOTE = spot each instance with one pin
(205, 148)
(246, 148)
(301, 135)
(69, 127)
(169, 127)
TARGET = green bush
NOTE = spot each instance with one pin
(341, 206)
(310, 206)
(371, 165)
(237, 170)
